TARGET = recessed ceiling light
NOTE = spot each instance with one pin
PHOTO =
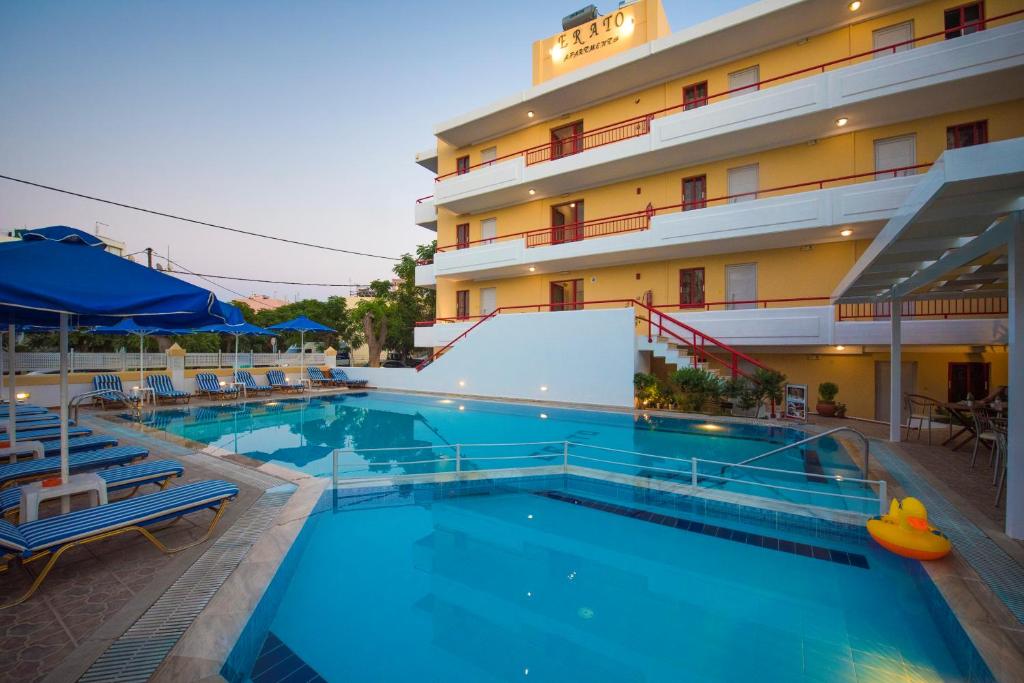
(532, 268)
(462, 382)
(854, 6)
(533, 192)
(529, 114)
(543, 388)
(840, 347)
(846, 232)
(842, 121)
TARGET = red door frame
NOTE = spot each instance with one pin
(574, 304)
(956, 33)
(569, 231)
(462, 236)
(691, 272)
(970, 365)
(462, 304)
(700, 181)
(560, 148)
(695, 95)
(979, 131)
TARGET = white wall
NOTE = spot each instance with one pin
(580, 356)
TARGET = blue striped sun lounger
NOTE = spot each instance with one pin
(341, 376)
(318, 378)
(158, 472)
(246, 378)
(5, 410)
(164, 389)
(109, 384)
(277, 380)
(77, 462)
(79, 443)
(208, 384)
(47, 433)
(52, 536)
(33, 419)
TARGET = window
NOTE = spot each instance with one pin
(488, 154)
(566, 140)
(741, 286)
(462, 235)
(567, 222)
(695, 192)
(695, 95)
(462, 304)
(742, 183)
(744, 81)
(691, 287)
(973, 14)
(488, 300)
(896, 36)
(895, 153)
(567, 295)
(967, 134)
(462, 165)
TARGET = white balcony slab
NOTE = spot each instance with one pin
(810, 217)
(425, 214)
(425, 276)
(982, 68)
(428, 159)
(801, 325)
(440, 334)
(969, 331)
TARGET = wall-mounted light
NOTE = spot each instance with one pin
(627, 27)
(842, 121)
(854, 6)
(22, 396)
(846, 232)
(556, 52)
(223, 383)
(572, 205)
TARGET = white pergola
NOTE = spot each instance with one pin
(959, 234)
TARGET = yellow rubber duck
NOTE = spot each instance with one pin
(905, 531)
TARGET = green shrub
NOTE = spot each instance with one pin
(827, 391)
(698, 387)
(742, 392)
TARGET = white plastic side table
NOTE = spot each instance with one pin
(35, 493)
(241, 389)
(142, 392)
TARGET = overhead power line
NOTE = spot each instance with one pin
(253, 279)
(194, 221)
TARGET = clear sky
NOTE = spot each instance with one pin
(297, 119)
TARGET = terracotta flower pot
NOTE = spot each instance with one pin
(826, 408)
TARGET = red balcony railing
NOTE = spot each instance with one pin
(641, 125)
(640, 220)
(423, 199)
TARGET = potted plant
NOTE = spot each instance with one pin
(840, 409)
(827, 399)
(743, 395)
(769, 385)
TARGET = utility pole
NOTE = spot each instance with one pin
(149, 256)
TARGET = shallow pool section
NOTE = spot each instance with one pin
(563, 578)
(379, 433)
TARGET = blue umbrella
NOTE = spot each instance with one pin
(128, 326)
(245, 329)
(63, 276)
(302, 325)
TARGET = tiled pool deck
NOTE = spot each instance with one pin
(97, 593)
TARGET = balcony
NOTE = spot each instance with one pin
(425, 213)
(806, 213)
(428, 159)
(982, 68)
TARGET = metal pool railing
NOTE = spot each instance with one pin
(698, 474)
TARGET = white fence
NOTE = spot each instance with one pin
(126, 360)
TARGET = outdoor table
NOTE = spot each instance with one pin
(35, 493)
(959, 416)
(240, 388)
(140, 394)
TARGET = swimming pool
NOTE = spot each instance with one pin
(564, 578)
(303, 433)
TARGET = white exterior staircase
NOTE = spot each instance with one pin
(670, 352)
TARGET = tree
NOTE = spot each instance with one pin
(374, 314)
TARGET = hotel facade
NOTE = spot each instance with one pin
(720, 183)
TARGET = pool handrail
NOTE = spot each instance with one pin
(814, 437)
(691, 471)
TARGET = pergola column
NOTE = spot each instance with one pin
(895, 371)
(1015, 404)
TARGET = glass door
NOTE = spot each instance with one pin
(567, 222)
(567, 295)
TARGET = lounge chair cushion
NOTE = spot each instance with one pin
(162, 387)
(139, 510)
(80, 443)
(77, 462)
(47, 433)
(152, 472)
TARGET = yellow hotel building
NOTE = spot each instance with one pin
(720, 182)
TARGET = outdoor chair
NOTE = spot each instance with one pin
(38, 468)
(79, 443)
(923, 410)
(341, 376)
(5, 410)
(277, 380)
(316, 375)
(113, 391)
(157, 472)
(45, 432)
(246, 378)
(984, 434)
(28, 421)
(207, 384)
(53, 536)
(163, 389)
(999, 427)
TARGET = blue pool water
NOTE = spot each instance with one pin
(567, 579)
(302, 433)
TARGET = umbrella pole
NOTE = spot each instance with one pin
(65, 502)
(235, 379)
(12, 390)
(302, 355)
(142, 339)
